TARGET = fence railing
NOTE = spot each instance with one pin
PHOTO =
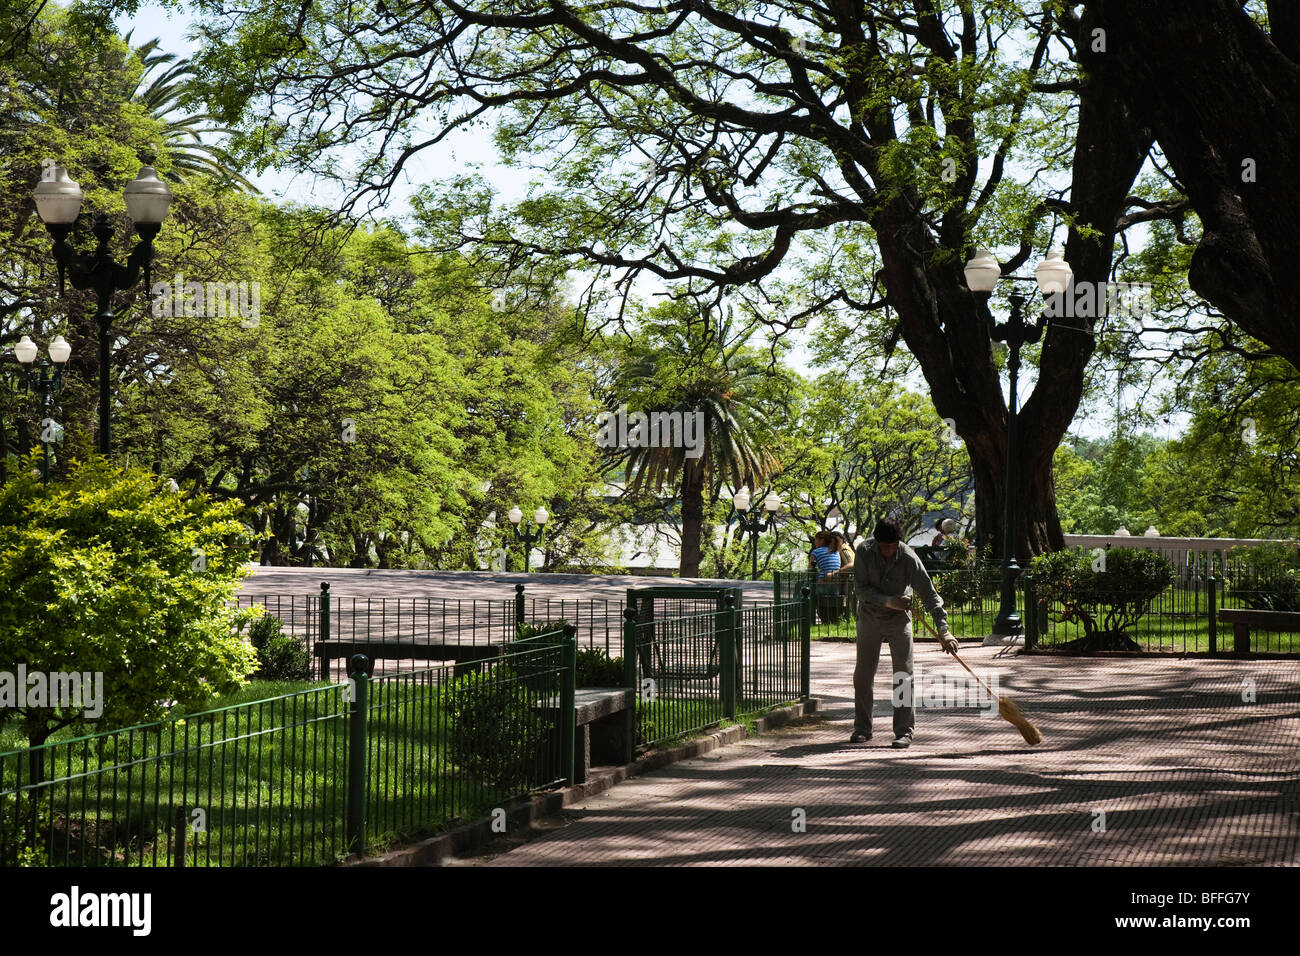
(774, 663)
(1181, 619)
(433, 622)
(243, 785)
(693, 671)
(970, 598)
(789, 585)
(300, 779)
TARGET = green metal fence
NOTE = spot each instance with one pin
(305, 778)
(243, 785)
(788, 585)
(298, 779)
(772, 656)
(970, 599)
(694, 671)
(432, 622)
(445, 748)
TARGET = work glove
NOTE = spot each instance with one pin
(948, 641)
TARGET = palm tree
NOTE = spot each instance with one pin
(187, 137)
(688, 361)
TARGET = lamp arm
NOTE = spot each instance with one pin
(79, 268)
(140, 259)
(1035, 330)
(88, 271)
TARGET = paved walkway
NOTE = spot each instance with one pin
(1184, 771)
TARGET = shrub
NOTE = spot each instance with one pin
(496, 730)
(529, 630)
(24, 820)
(111, 572)
(598, 669)
(280, 656)
(1105, 601)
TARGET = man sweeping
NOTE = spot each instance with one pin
(885, 574)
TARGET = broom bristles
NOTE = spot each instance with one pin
(1011, 714)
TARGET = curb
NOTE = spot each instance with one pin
(522, 812)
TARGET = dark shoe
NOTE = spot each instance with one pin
(902, 742)
(859, 737)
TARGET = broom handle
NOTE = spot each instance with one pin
(976, 676)
(926, 623)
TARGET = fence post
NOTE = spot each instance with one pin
(358, 714)
(805, 643)
(1031, 612)
(519, 605)
(726, 637)
(324, 663)
(1212, 602)
(629, 676)
(324, 610)
(568, 689)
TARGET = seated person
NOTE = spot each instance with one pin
(830, 603)
(824, 556)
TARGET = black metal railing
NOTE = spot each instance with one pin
(1182, 619)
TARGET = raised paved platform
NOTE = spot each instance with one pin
(1185, 771)
(465, 585)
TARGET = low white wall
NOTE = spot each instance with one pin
(1203, 553)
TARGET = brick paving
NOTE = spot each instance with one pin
(1186, 772)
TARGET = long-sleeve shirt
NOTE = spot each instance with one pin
(876, 580)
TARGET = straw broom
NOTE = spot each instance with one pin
(1007, 708)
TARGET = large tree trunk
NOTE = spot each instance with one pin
(942, 327)
(1222, 96)
(692, 515)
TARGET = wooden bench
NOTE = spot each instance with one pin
(608, 711)
(468, 657)
(1243, 619)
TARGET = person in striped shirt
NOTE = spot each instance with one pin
(824, 555)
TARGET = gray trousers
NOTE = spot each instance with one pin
(876, 626)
